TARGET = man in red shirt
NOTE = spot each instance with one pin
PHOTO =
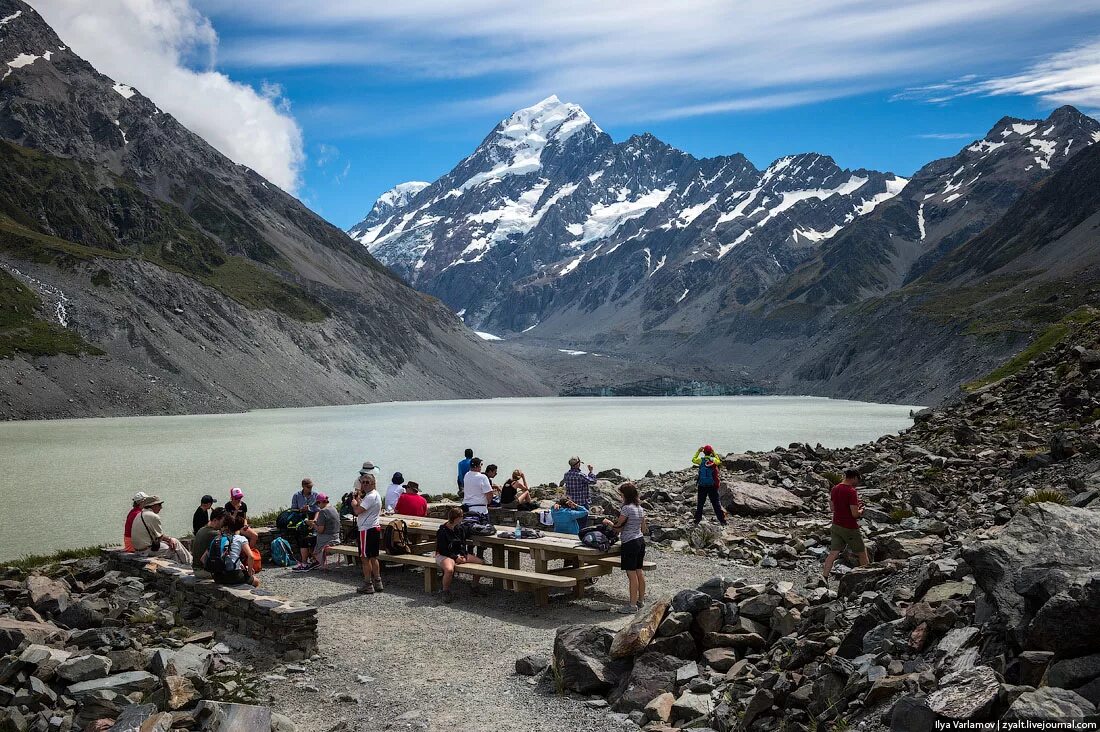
(847, 510)
(411, 503)
(139, 499)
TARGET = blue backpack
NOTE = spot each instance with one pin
(282, 555)
(708, 475)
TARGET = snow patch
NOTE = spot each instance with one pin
(605, 218)
(985, 146)
(571, 352)
(692, 212)
(487, 336)
(401, 193)
(9, 18)
(571, 266)
(530, 327)
(682, 296)
(952, 197)
(1044, 150)
(124, 90)
(920, 221)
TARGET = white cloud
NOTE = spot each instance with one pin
(651, 59)
(166, 49)
(947, 136)
(1068, 77)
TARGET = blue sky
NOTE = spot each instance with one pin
(338, 100)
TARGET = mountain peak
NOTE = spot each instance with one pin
(402, 193)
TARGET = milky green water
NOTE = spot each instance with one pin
(67, 483)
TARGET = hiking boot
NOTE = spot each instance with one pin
(448, 596)
(475, 588)
(377, 584)
(366, 589)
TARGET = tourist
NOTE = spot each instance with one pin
(450, 552)
(203, 537)
(327, 524)
(235, 568)
(135, 511)
(235, 506)
(202, 514)
(368, 510)
(305, 502)
(305, 499)
(847, 510)
(707, 483)
(367, 474)
(463, 467)
(477, 489)
(515, 491)
(567, 516)
(631, 524)
(411, 503)
(394, 491)
(578, 486)
(149, 538)
(491, 473)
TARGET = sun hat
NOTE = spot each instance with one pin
(139, 497)
(236, 493)
(397, 479)
(574, 461)
(151, 501)
(321, 497)
(412, 486)
(207, 499)
(368, 467)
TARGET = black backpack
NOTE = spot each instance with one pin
(478, 524)
(599, 537)
(216, 553)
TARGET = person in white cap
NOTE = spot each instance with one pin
(127, 531)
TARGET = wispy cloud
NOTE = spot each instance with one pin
(947, 136)
(1069, 77)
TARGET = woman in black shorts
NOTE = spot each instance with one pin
(631, 524)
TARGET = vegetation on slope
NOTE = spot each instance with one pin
(22, 331)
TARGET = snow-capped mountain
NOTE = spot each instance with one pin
(549, 205)
(393, 199)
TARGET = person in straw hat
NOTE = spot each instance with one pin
(149, 538)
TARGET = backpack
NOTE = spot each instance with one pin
(708, 475)
(288, 521)
(395, 539)
(599, 538)
(477, 524)
(216, 553)
(281, 553)
(346, 507)
(546, 518)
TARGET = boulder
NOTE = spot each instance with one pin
(14, 632)
(720, 659)
(1050, 704)
(759, 607)
(88, 612)
(84, 668)
(531, 665)
(1028, 668)
(755, 499)
(760, 702)
(177, 693)
(948, 591)
(637, 634)
(911, 714)
(132, 717)
(192, 661)
(681, 645)
(652, 675)
(862, 579)
(968, 694)
(582, 658)
(1070, 621)
(690, 601)
(674, 624)
(124, 683)
(1014, 569)
(898, 546)
(1074, 672)
(691, 706)
(659, 709)
(47, 595)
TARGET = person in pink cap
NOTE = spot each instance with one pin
(236, 505)
(708, 482)
(327, 524)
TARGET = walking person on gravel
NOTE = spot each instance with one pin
(368, 510)
(631, 525)
(450, 552)
(708, 481)
(578, 486)
(847, 510)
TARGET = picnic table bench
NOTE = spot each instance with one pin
(580, 563)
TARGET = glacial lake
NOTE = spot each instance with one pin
(68, 483)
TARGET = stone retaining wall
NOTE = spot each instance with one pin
(286, 628)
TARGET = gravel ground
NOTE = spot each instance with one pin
(424, 665)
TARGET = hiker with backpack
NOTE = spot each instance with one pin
(367, 506)
(228, 557)
(631, 525)
(451, 552)
(578, 486)
(708, 482)
(203, 537)
(567, 516)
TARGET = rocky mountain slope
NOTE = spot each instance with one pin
(143, 271)
(983, 525)
(552, 235)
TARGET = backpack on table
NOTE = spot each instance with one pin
(598, 537)
(395, 538)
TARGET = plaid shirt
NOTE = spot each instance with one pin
(577, 484)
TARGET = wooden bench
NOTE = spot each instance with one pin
(521, 579)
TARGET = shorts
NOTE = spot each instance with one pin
(370, 542)
(439, 559)
(307, 542)
(841, 536)
(632, 555)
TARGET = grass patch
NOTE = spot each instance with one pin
(257, 289)
(265, 519)
(33, 561)
(22, 331)
(832, 476)
(900, 514)
(442, 497)
(1046, 495)
(1047, 340)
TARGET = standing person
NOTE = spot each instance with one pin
(708, 482)
(450, 551)
(394, 491)
(236, 505)
(567, 516)
(202, 514)
(463, 468)
(232, 547)
(149, 537)
(847, 510)
(368, 510)
(578, 486)
(411, 503)
(631, 525)
(477, 489)
(327, 524)
(128, 527)
(201, 543)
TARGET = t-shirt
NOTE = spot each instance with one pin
(843, 498)
(412, 504)
(328, 524)
(146, 527)
(231, 509)
(200, 519)
(372, 509)
(200, 544)
(237, 544)
(299, 501)
(127, 531)
(632, 529)
(474, 488)
(508, 492)
(393, 492)
(463, 468)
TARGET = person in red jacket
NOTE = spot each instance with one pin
(411, 503)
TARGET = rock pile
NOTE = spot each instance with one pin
(83, 647)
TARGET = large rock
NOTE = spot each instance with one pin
(84, 668)
(653, 674)
(968, 694)
(89, 612)
(47, 595)
(1074, 672)
(1042, 551)
(690, 601)
(125, 683)
(531, 665)
(1070, 621)
(636, 635)
(681, 645)
(14, 632)
(582, 656)
(863, 579)
(177, 693)
(911, 714)
(659, 709)
(755, 499)
(1050, 704)
(691, 706)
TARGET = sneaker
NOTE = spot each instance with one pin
(313, 561)
(367, 589)
(377, 584)
(298, 567)
(626, 609)
(448, 596)
(308, 567)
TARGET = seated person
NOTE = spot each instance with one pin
(567, 516)
(202, 514)
(327, 523)
(451, 552)
(201, 543)
(148, 537)
(236, 505)
(515, 491)
(235, 567)
(411, 503)
(128, 527)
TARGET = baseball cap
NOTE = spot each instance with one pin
(708, 449)
(139, 497)
(322, 498)
(574, 461)
(207, 499)
(236, 493)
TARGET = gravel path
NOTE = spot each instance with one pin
(429, 666)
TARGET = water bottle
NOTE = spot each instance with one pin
(519, 532)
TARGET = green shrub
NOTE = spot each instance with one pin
(265, 519)
(33, 561)
(832, 476)
(900, 514)
(1046, 495)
